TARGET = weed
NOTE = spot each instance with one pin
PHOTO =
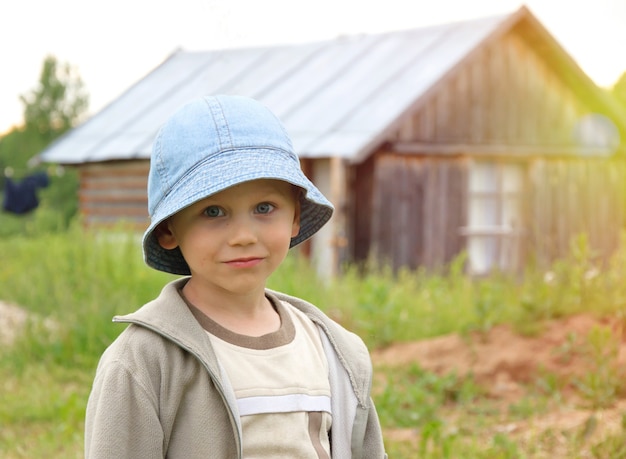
(413, 397)
(602, 382)
(612, 445)
(436, 442)
(527, 407)
(567, 350)
(549, 385)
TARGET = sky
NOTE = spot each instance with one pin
(114, 43)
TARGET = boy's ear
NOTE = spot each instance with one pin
(164, 235)
(295, 228)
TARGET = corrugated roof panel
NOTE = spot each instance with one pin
(275, 65)
(87, 140)
(219, 69)
(392, 100)
(232, 72)
(384, 60)
(334, 97)
(303, 85)
(342, 144)
(128, 126)
(368, 104)
(350, 84)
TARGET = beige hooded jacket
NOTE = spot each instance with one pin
(159, 391)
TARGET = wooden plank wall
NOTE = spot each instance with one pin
(359, 210)
(412, 210)
(114, 193)
(505, 97)
(505, 94)
(574, 196)
(418, 206)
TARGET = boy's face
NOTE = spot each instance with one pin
(234, 239)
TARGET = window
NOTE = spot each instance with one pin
(495, 216)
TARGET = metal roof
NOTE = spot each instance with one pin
(335, 97)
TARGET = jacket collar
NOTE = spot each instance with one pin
(170, 316)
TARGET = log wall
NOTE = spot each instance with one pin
(114, 192)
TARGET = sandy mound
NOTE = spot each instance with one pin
(501, 354)
(505, 362)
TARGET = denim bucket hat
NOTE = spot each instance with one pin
(212, 144)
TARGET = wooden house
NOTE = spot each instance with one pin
(481, 137)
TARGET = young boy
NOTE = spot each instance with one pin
(218, 366)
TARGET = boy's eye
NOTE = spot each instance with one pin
(264, 208)
(213, 211)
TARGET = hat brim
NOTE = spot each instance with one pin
(219, 172)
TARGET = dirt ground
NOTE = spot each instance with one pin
(507, 363)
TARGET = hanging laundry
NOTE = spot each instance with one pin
(21, 197)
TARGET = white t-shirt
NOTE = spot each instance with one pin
(281, 384)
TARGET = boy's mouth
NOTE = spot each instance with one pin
(247, 262)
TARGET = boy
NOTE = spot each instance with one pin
(217, 366)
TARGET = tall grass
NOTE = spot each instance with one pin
(77, 281)
(81, 279)
(384, 306)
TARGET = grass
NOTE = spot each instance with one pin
(42, 411)
(78, 280)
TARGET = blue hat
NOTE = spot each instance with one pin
(212, 144)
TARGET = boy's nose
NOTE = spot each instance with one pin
(242, 232)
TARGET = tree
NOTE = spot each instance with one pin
(57, 103)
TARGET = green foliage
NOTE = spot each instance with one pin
(619, 90)
(575, 284)
(527, 407)
(436, 442)
(612, 446)
(42, 411)
(17, 147)
(58, 206)
(58, 101)
(79, 280)
(413, 397)
(602, 383)
(56, 104)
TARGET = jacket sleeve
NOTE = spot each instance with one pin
(122, 417)
(373, 446)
